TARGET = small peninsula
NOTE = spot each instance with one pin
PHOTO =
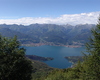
(74, 59)
(38, 58)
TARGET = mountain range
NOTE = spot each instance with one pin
(48, 34)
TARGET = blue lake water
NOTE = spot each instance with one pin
(56, 52)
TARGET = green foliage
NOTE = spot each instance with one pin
(64, 74)
(41, 70)
(91, 64)
(13, 63)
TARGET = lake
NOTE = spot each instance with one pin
(56, 52)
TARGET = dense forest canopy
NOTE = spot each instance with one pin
(13, 63)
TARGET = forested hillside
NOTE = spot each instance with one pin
(88, 69)
(49, 34)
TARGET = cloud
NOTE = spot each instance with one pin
(73, 19)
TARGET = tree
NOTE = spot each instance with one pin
(13, 63)
(91, 64)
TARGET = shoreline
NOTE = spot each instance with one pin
(41, 44)
(73, 46)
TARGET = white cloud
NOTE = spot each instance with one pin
(73, 19)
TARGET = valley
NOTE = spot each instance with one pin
(48, 34)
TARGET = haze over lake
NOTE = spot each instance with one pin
(56, 52)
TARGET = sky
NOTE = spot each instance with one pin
(49, 11)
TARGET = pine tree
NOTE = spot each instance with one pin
(91, 64)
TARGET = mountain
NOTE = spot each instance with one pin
(49, 34)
